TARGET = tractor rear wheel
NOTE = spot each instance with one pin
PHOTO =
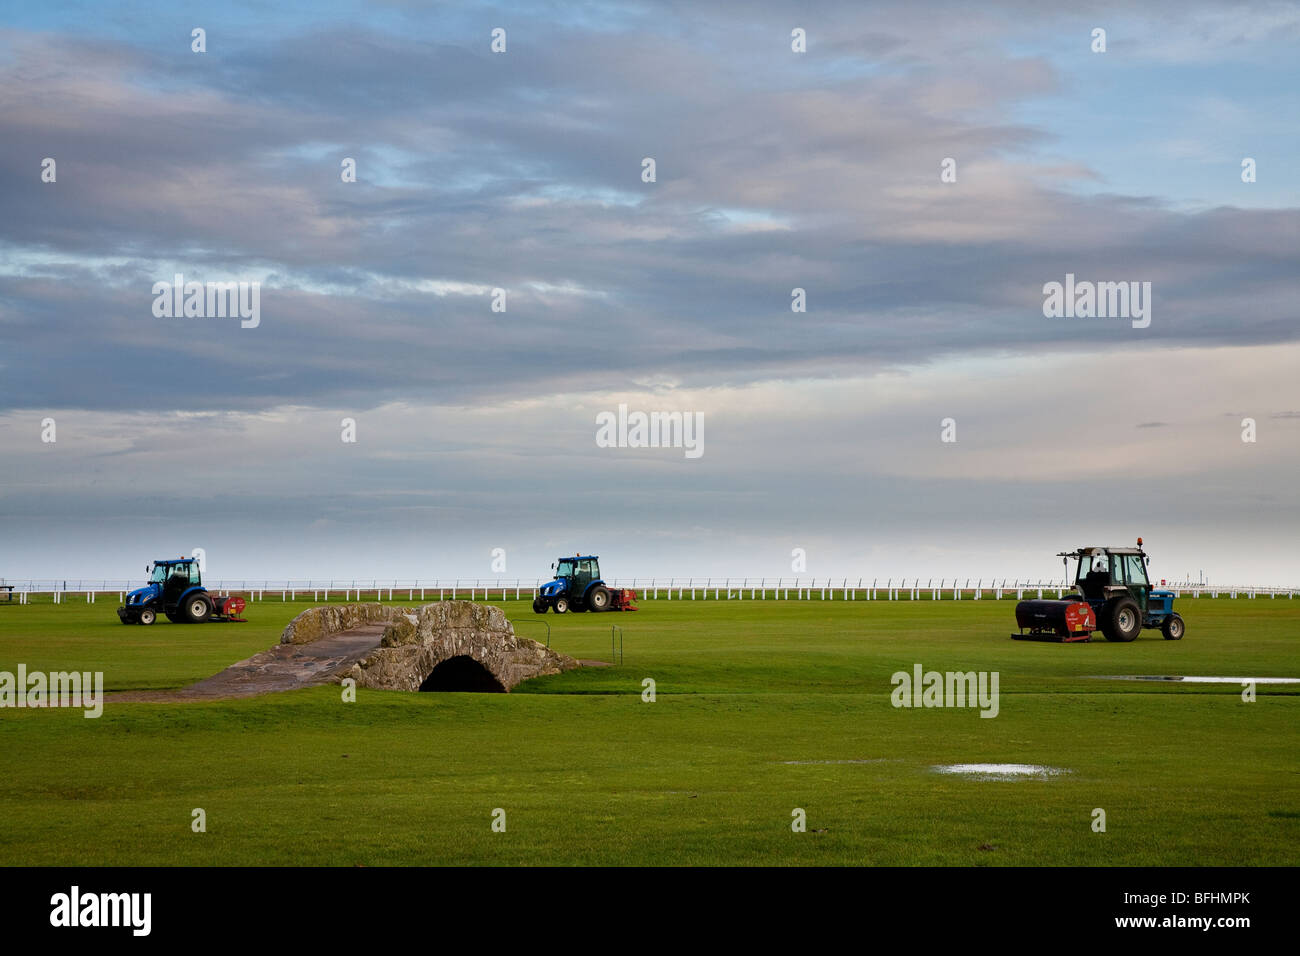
(197, 608)
(147, 616)
(561, 605)
(1121, 620)
(598, 599)
(1172, 629)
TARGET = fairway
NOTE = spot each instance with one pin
(761, 707)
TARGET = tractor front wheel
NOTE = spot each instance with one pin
(1121, 620)
(1172, 629)
(561, 605)
(539, 606)
(147, 616)
(598, 599)
(198, 608)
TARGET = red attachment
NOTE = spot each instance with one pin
(229, 608)
(1080, 619)
(622, 599)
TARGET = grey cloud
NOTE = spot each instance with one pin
(896, 270)
(523, 173)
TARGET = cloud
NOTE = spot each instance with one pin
(528, 179)
(522, 172)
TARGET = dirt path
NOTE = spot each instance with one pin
(283, 667)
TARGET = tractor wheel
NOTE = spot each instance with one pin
(561, 605)
(147, 616)
(1172, 629)
(598, 599)
(198, 608)
(1121, 620)
(175, 617)
(539, 606)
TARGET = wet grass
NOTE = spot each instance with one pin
(761, 708)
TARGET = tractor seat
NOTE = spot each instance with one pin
(1095, 584)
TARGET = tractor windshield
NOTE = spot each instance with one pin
(564, 569)
(183, 572)
(1135, 572)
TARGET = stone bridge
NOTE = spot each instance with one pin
(447, 646)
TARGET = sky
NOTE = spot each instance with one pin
(921, 417)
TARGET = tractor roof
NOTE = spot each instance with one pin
(167, 562)
(579, 557)
(1097, 549)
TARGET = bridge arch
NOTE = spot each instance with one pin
(462, 673)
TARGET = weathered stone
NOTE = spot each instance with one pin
(317, 622)
(401, 630)
(414, 645)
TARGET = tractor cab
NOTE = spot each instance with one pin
(174, 578)
(579, 572)
(1104, 573)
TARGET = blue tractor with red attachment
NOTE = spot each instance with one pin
(176, 589)
(577, 586)
(1114, 596)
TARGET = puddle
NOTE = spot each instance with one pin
(1000, 771)
(1204, 680)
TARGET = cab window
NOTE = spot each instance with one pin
(1134, 570)
(1117, 570)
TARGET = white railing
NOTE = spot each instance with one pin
(670, 588)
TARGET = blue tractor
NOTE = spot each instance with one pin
(176, 589)
(1113, 595)
(577, 586)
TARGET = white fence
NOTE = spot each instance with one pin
(678, 589)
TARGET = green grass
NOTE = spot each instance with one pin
(749, 695)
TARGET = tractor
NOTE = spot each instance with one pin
(176, 589)
(577, 586)
(1114, 595)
